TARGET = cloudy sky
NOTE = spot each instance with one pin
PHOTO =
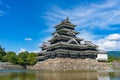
(25, 24)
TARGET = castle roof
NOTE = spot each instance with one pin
(65, 22)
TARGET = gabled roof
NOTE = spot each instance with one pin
(73, 41)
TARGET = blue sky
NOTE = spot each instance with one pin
(25, 24)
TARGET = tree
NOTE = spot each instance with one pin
(10, 57)
(22, 58)
(2, 52)
(13, 58)
(32, 58)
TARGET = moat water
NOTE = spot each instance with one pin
(71, 75)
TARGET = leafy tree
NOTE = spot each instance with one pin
(6, 57)
(13, 58)
(2, 52)
(10, 57)
(32, 58)
(22, 58)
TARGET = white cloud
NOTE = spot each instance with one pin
(28, 39)
(114, 37)
(110, 42)
(107, 43)
(91, 16)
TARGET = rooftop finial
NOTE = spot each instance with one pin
(66, 20)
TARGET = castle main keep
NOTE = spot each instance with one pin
(65, 44)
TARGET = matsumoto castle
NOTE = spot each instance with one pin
(65, 44)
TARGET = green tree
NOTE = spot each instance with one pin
(32, 58)
(10, 57)
(22, 58)
(13, 58)
(2, 52)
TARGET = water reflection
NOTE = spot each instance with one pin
(24, 75)
(103, 75)
(68, 76)
(114, 75)
(41, 75)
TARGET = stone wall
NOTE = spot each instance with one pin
(70, 64)
(116, 64)
(7, 65)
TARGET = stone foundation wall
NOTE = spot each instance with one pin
(70, 64)
(7, 65)
(116, 64)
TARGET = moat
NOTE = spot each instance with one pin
(71, 75)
